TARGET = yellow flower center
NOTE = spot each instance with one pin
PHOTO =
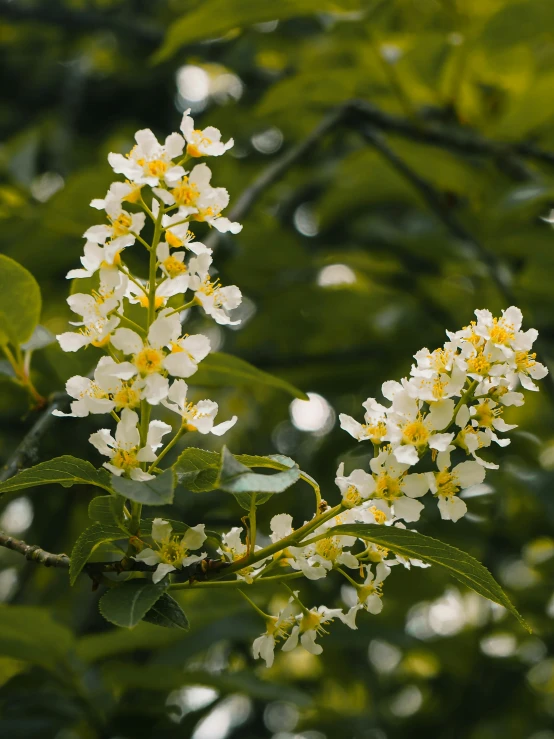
(134, 195)
(388, 488)
(173, 240)
(125, 459)
(479, 365)
(524, 361)
(485, 414)
(415, 433)
(375, 432)
(159, 300)
(328, 548)
(121, 224)
(127, 397)
(174, 267)
(185, 193)
(378, 515)
(351, 497)
(501, 333)
(377, 554)
(149, 360)
(100, 342)
(172, 551)
(157, 168)
(447, 483)
(310, 621)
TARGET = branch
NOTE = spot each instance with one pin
(34, 553)
(26, 448)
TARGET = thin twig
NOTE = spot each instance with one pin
(27, 447)
(34, 553)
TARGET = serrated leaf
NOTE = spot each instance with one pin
(107, 509)
(158, 491)
(235, 477)
(220, 369)
(66, 471)
(212, 18)
(20, 302)
(88, 542)
(168, 613)
(461, 565)
(29, 633)
(128, 603)
(197, 469)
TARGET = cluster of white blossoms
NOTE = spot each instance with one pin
(450, 406)
(147, 360)
(428, 439)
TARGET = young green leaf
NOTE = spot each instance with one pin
(462, 566)
(224, 369)
(127, 604)
(197, 469)
(168, 613)
(88, 542)
(213, 18)
(158, 491)
(20, 302)
(235, 477)
(66, 471)
(107, 509)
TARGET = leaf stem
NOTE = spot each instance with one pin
(170, 445)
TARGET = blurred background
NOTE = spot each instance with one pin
(398, 217)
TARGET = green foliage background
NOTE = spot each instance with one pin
(430, 232)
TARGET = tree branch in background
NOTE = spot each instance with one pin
(28, 445)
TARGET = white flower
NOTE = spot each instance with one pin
(96, 258)
(410, 431)
(233, 548)
(374, 427)
(214, 299)
(504, 333)
(172, 553)
(369, 594)
(149, 162)
(281, 526)
(356, 487)
(447, 483)
(152, 358)
(396, 488)
(437, 376)
(277, 626)
(109, 389)
(309, 626)
(121, 231)
(203, 143)
(318, 559)
(117, 193)
(165, 290)
(196, 417)
(177, 233)
(124, 450)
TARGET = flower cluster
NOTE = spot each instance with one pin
(451, 405)
(147, 360)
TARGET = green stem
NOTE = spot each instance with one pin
(347, 576)
(233, 583)
(265, 616)
(291, 540)
(136, 512)
(252, 525)
(146, 208)
(171, 444)
(142, 241)
(130, 323)
(182, 307)
(133, 279)
(466, 397)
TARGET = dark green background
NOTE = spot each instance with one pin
(430, 232)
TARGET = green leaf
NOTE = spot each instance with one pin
(30, 634)
(158, 491)
(235, 477)
(40, 338)
(197, 469)
(88, 542)
(168, 613)
(462, 566)
(107, 509)
(20, 302)
(224, 369)
(66, 471)
(213, 18)
(128, 603)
